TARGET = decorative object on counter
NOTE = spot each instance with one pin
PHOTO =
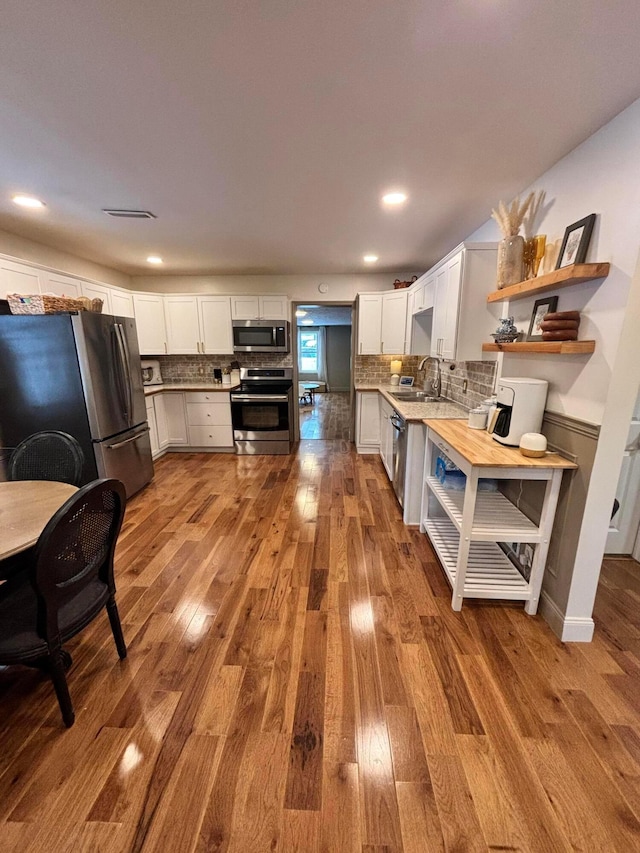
(397, 284)
(576, 242)
(506, 332)
(478, 418)
(533, 444)
(560, 326)
(396, 367)
(540, 308)
(226, 376)
(217, 374)
(511, 247)
(406, 381)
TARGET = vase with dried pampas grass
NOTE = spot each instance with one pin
(511, 247)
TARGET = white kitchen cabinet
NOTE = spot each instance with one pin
(386, 436)
(61, 285)
(20, 278)
(367, 422)
(183, 327)
(175, 412)
(216, 332)
(149, 312)
(153, 431)
(98, 291)
(198, 325)
(369, 323)
(394, 320)
(121, 303)
(161, 421)
(209, 419)
(462, 319)
(271, 307)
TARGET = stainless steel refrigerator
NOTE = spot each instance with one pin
(79, 373)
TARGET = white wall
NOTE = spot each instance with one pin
(600, 176)
(298, 287)
(37, 253)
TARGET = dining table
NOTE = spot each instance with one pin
(25, 508)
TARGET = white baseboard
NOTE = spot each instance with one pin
(367, 448)
(569, 629)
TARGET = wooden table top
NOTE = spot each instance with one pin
(25, 508)
(483, 451)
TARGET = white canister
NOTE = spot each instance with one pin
(478, 418)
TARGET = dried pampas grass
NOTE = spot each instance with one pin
(510, 219)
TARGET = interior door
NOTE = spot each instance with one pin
(623, 529)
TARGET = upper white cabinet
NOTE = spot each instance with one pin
(19, 278)
(98, 291)
(149, 311)
(462, 319)
(271, 307)
(61, 285)
(369, 323)
(382, 321)
(198, 325)
(121, 303)
(394, 318)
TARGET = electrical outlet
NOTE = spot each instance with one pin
(201, 371)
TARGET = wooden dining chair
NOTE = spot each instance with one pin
(68, 583)
(47, 455)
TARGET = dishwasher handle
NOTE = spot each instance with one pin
(397, 422)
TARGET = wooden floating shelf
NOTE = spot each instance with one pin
(574, 274)
(558, 347)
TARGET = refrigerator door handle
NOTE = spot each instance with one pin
(126, 369)
(127, 440)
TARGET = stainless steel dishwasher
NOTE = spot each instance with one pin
(399, 426)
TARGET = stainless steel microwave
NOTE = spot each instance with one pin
(260, 336)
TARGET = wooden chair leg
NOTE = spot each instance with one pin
(57, 673)
(116, 628)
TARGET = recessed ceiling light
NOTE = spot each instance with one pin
(394, 198)
(369, 259)
(300, 313)
(154, 259)
(306, 323)
(28, 201)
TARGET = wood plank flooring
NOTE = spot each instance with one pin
(328, 417)
(297, 681)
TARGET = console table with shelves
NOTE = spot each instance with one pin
(465, 527)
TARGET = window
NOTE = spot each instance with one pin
(308, 351)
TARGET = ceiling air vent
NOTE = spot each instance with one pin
(129, 214)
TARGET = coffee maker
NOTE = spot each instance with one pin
(520, 408)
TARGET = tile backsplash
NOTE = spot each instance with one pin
(479, 376)
(196, 368)
(376, 369)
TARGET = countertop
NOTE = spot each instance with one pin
(416, 412)
(190, 386)
(482, 451)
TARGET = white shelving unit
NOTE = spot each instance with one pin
(465, 527)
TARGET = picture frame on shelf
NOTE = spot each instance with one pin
(541, 307)
(576, 242)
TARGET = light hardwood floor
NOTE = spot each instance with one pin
(328, 417)
(297, 681)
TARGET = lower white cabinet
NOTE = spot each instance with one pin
(161, 421)
(153, 430)
(209, 419)
(386, 437)
(367, 422)
(176, 414)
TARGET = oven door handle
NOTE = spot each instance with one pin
(259, 398)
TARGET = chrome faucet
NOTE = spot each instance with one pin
(436, 385)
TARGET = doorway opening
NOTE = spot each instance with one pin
(323, 370)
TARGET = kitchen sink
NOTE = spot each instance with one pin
(414, 397)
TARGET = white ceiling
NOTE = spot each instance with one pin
(263, 132)
(326, 315)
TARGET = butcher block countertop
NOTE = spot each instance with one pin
(191, 386)
(482, 451)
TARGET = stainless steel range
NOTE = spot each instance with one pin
(262, 411)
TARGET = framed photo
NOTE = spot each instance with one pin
(407, 381)
(576, 242)
(541, 307)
